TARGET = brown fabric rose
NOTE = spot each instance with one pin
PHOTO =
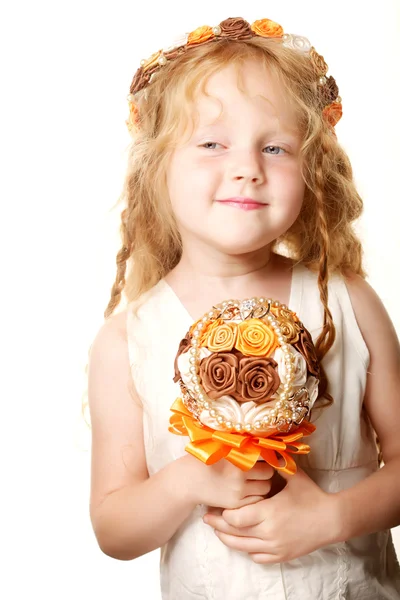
(236, 28)
(329, 91)
(139, 80)
(218, 374)
(183, 345)
(306, 347)
(258, 380)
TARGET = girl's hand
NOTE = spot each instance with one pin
(298, 520)
(223, 484)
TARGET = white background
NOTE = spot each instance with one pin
(66, 68)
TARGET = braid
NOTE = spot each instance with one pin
(121, 260)
(327, 336)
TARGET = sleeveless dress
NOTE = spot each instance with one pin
(194, 563)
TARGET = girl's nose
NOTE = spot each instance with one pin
(248, 166)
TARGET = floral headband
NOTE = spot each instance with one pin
(235, 29)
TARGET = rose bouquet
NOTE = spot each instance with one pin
(248, 374)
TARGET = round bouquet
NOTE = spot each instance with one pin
(249, 375)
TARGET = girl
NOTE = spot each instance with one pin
(238, 187)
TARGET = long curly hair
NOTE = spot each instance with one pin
(322, 238)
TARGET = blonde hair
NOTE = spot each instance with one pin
(322, 238)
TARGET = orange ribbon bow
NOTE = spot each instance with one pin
(243, 451)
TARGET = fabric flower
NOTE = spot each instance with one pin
(288, 322)
(152, 61)
(133, 121)
(183, 345)
(318, 62)
(284, 313)
(329, 91)
(312, 387)
(193, 327)
(306, 347)
(227, 407)
(182, 40)
(267, 28)
(299, 367)
(297, 42)
(183, 365)
(236, 28)
(255, 338)
(171, 54)
(220, 336)
(333, 113)
(140, 79)
(218, 374)
(257, 380)
(200, 35)
(290, 330)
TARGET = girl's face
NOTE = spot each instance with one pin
(249, 154)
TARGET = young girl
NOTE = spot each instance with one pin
(238, 187)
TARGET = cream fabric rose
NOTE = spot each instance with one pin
(177, 43)
(312, 387)
(237, 412)
(299, 366)
(297, 42)
(228, 408)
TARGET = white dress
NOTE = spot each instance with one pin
(195, 564)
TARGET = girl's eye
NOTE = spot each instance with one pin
(209, 143)
(215, 143)
(275, 148)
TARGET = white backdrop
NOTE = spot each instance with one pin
(66, 71)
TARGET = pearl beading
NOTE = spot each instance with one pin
(288, 411)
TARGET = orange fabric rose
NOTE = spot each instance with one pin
(193, 327)
(204, 336)
(267, 28)
(255, 338)
(333, 113)
(220, 336)
(200, 35)
(133, 120)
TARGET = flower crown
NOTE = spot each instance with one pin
(235, 29)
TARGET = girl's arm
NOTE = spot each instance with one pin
(303, 518)
(131, 513)
(374, 504)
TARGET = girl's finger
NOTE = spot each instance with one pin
(264, 558)
(261, 470)
(247, 500)
(243, 544)
(219, 524)
(260, 487)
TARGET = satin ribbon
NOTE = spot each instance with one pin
(243, 451)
